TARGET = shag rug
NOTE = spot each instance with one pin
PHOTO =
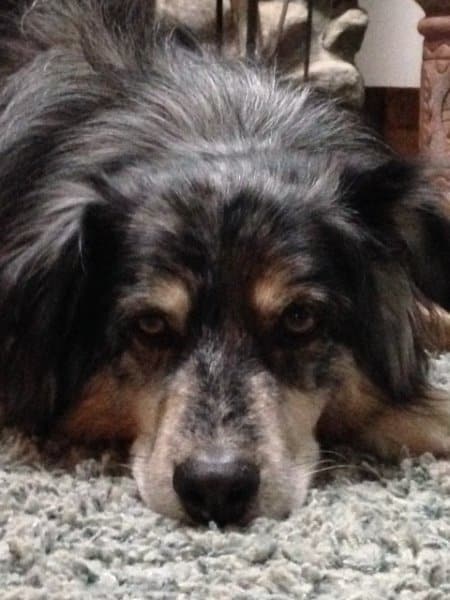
(73, 527)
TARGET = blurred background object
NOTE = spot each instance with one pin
(368, 53)
(319, 38)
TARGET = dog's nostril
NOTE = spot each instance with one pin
(216, 490)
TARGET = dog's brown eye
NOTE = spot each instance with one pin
(298, 319)
(151, 325)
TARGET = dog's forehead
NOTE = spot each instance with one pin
(203, 228)
(248, 257)
(219, 246)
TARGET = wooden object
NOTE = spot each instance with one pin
(394, 112)
(435, 88)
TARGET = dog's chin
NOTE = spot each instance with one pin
(283, 489)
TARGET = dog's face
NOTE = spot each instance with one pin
(209, 311)
(225, 321)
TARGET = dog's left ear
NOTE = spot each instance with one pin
(399, 254)
(410, 220)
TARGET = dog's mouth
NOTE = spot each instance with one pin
(223, 486)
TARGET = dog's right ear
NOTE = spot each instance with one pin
(56, 266)
(41, 281)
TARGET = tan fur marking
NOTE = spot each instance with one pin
(160, 446)
(172, 298)
(436, 328)
(273, 292)
(351, 406)
(299, 415)
(422, 429)
(358, 415)
(269, 293)
(169, 296)
(104, 412)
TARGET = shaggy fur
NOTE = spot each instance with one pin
(203, 261)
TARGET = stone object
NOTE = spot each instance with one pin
(337, 33)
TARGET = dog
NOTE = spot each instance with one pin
(218, 269)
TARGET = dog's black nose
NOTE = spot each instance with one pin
(216, 488)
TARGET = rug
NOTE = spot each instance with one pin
(73, 527)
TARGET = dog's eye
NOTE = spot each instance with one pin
(297, 319)
(151, 325)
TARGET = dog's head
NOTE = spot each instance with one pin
(212, 315)
(206, 299)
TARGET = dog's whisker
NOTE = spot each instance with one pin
(314, 463)
(138, 456)
(331, 468)
(333, 453)
(125, 466)
(364, 469)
